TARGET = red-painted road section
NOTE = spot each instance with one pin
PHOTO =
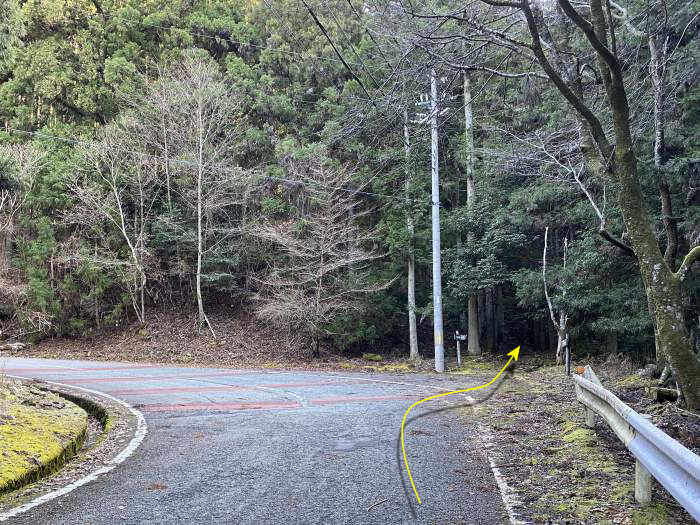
(187, 389)
(221, 406)
(178, 389)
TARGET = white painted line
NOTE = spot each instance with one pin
(141, 431)
(508, 494)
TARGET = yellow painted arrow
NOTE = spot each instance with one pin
(513, 354)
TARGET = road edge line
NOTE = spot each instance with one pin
(139, 435)
(508, 494)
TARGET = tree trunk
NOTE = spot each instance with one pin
(500, 316)
(412, 329)
(6, 244)
(561, 337)
(560, 325)
(411, 292)
(202, 318)
(611, 343)
(198, 277)
(490, 322)
(657, 70)
(166, 162)
(473, 347)
(540, 332)
(481, 301)
(552, 337)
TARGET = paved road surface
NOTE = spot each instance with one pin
(265, 446)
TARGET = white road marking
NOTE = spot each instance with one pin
(469, 398)
(508, 494)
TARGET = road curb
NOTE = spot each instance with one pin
(140, 429)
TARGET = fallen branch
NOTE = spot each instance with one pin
(686, 412)
(378, 503)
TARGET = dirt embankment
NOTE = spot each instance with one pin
(241, 342)
(39, 432)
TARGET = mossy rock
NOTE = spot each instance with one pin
(39, 433)
(367, 356)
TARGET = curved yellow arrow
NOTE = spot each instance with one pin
(513, 354)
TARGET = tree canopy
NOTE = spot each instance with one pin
(278, 154)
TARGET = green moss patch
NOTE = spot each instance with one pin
(633, 381)
(475, 366)
(39, 432)
(652, 514)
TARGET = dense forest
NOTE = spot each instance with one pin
(274, 157)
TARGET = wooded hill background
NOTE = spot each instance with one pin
(252, 156)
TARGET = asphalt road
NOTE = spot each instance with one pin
(265, 446)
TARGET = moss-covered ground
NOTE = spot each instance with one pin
(564, 472)
(39, 431)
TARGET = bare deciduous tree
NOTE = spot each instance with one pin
(19, 168)
(119, 188)
(319, 268)
(559, 325)
(204, 130)
(21, 165)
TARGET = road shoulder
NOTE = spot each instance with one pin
(557, 469)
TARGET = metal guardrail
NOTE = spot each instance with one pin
(657, 454)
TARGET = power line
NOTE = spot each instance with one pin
(391, 197)
(337, 52)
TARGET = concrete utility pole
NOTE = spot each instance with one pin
(437, 273)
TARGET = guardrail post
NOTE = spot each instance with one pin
(589, 374)
(590, 418)
(642, 478)
(642, 483)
